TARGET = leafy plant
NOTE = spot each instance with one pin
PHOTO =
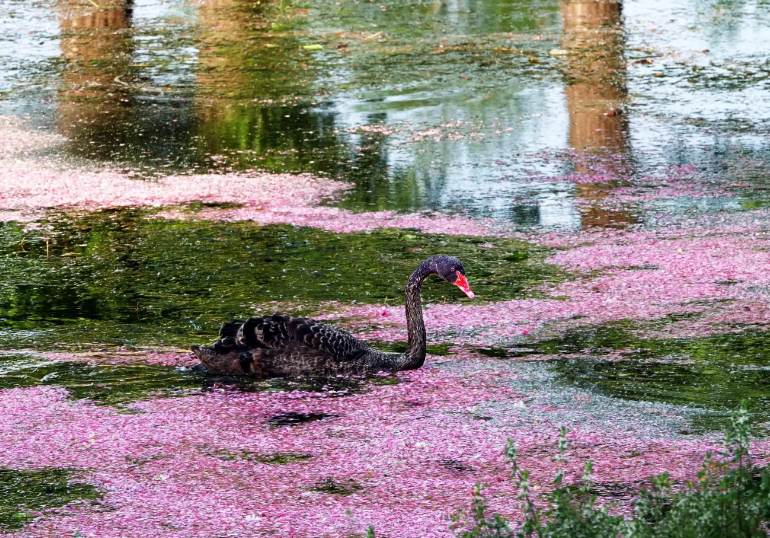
(730, 499)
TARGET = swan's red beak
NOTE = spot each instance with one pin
(462, 283)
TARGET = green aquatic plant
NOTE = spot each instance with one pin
(116, 278)
(273, 458)
(730, 498)
(103, 384)
(122, 384)
(711, 373)
(23, 494)
(337, 487)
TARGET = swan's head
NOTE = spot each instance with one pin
(451, 269)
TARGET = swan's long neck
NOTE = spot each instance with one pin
(414, 357)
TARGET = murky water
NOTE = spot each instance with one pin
(712, 373)
(119, 279)
(23, 494)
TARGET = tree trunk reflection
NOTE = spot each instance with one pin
(596, 89)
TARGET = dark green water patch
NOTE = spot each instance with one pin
(709, 385)
(748, 348)
(272, 458)
(337, 487)
(295, 419)
(277, 458)
(24, 494)
(441, 350)
(122, 384)
(103, 384)
(117, 278)
(713, 373)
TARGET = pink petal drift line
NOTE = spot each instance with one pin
(343, 221)
(27, 189)
(29, 186)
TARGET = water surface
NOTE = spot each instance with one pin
(478, 106)
(545, 115)
(117, 278)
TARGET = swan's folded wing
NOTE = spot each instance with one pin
(230, 329)
(269, 332)
(280, 332)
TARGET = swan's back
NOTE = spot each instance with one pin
(285, 346)
(281, 331)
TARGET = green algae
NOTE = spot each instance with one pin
(114, 278)
(337, 487)
(119, 385)
(292, 419)
(713, 387)
(276, 458)
(441, 350)
(270, 458)
(713, 373)
(745, 348)
(24, 494)
(101, 383)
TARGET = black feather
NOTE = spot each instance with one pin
(230, 329)
(244, 360)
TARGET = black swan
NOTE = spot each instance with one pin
(285, 346)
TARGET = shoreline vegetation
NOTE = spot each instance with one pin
(730, 498)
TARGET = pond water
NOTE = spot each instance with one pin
(713, 373)
(481, 106)
(487, 108)
(118, 278)
(484, 108)
(602, 169)
(26, 493)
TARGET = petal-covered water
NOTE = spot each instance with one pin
(600, 168)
